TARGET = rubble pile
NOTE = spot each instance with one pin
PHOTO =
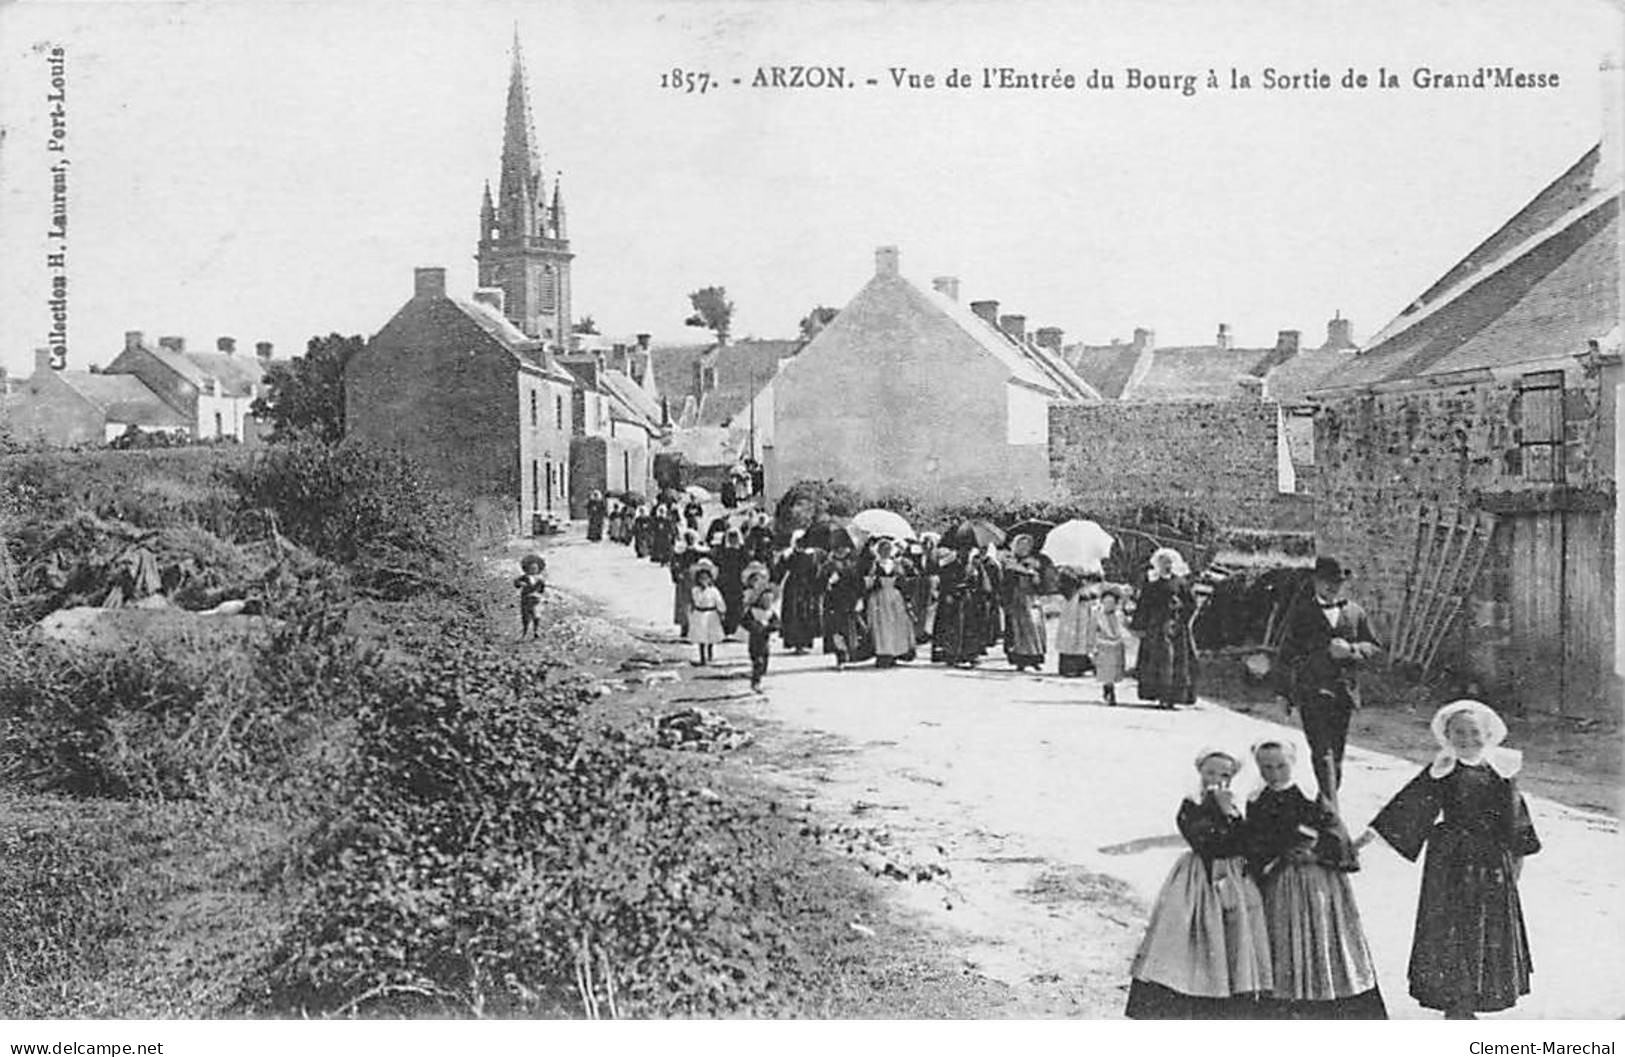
(699, 729)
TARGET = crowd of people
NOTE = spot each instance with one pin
(952, 599)
(1257, 918)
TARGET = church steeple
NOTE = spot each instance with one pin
(523, 248)
(556, 214)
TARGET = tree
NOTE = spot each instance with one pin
(306, 397)
(586, 325)
(817, 320)
(712, 310)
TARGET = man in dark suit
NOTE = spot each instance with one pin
(1327, 639)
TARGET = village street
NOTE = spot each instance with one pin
(1054, 814)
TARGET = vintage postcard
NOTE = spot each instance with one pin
(857, 510)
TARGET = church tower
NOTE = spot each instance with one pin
(523, 249)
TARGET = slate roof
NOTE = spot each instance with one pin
(674, 368)
(1552, 291)
(501, 330)
(1197, 372)
(123, 398)
(1106, 367)
(743, 369)
(1027, 362)
(641, 408)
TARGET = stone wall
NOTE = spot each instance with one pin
(1217, 457)
(1381, 457)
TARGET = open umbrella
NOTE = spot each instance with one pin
(1083, 544)
(700, 492)
(973, 534)
(828, 534)
(883, 523)
(1033, 527)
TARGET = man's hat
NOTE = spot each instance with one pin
(1327, 568)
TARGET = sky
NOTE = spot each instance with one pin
(275, 170)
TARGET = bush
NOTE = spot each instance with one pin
(147, 489)
(493, 857)
(361, 507)
(808, 501)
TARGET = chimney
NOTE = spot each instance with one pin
(1144, 338)
(1610, 162)
(133, 339)
(947, 286)
(173, 343)
(1253, 386)
(42, 361)
(490, 295)
(1339, 334)
(1050, 337)
(1224, 339)
(1286, 342)
(886, 260)
(988, 310)
(226, 345)
(1015, 326)
(428, 282)
(643, 341)
(262, 349)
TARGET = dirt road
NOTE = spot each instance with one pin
(1054, 814)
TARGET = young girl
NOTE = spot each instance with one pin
(1470, 952)
(1205, 954)
(532, 583)
(760, 620)
(705, 611)
(1319, 957)
(1071, 629)
(1105, 640)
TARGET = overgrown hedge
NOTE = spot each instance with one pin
(494, 854)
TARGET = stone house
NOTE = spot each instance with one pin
(212, 391)
(68, 408)
(1492, 400)
(486, 410)
(617, 420)
(909, 390)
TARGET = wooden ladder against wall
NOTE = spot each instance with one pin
(1451, 546)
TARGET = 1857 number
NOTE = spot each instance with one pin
(686, 81)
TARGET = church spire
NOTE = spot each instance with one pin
(558, 207)
(521, 172)
(488, 215)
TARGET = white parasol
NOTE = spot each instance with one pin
(1082, 544)
(883, 523)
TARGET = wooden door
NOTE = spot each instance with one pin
(1537, 610)
(1563, 612)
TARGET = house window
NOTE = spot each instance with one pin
(535, 482)
(219, 426)
(558, 411)
(534, 419)
(626, 471)
(549, 499)
(1541, 404)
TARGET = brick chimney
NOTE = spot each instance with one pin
(428, 282)
(1286, 343)
(226, 345)
(1050, 337)
(133, 339)
(1339, 334)
(173, 342)
(490, 295)
(988, 310)
(1225, 338)
(1145, 338)
(262, 349)
(886, 260)
(1015, 326)
(947, 286)
(643, 341)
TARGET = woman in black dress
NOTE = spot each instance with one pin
(1162, 618)
(797, 570)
